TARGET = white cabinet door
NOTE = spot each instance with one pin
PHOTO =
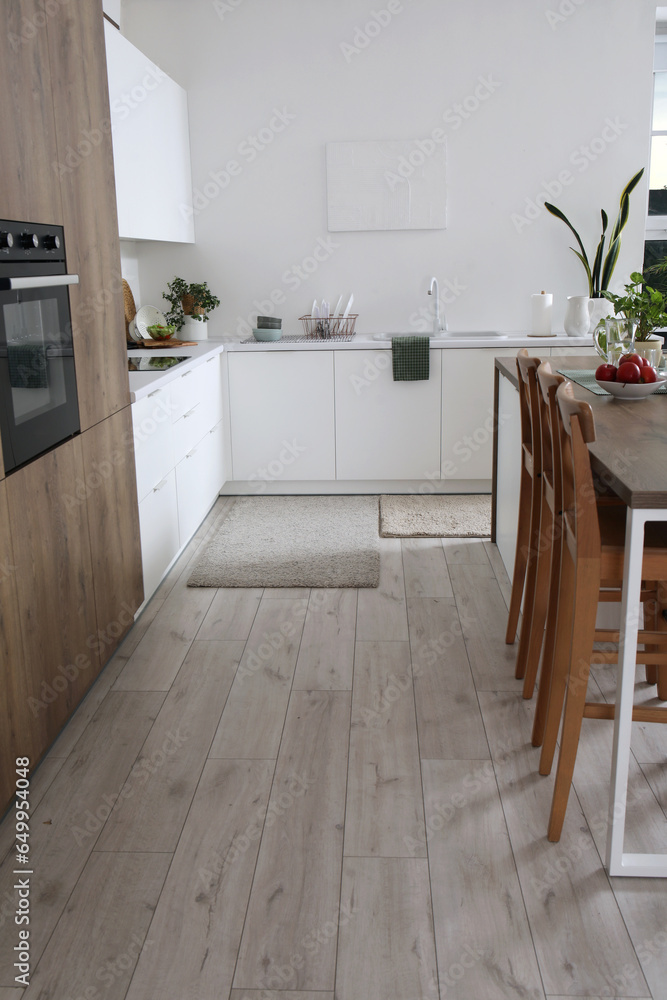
(153, 447)
(158, 526)
(198, 482)
(385, 429)
(282, 415)
(151, 146)
(467, 411)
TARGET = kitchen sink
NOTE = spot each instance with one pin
(449, 335)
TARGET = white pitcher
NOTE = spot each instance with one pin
(577, 318)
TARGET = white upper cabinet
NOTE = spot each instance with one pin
(151, 146)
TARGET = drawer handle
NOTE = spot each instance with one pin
(156, 489)
(155, 392)
(185, 374)
(190, 412)
(191, 453)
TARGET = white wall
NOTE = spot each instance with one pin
(557, 79)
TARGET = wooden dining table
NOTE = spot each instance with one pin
(630, 455)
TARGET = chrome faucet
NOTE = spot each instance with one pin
(438, 325)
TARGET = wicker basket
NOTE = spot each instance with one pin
(329, 329)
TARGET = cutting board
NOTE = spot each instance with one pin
(167, 343)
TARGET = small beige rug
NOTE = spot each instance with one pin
(442, 516)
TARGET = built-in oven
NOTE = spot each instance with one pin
(38, 397)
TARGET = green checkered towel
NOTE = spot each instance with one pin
(410, 357)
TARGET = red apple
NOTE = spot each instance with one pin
(606, 373)
(649, 374)
(635, 359)
(629, 372)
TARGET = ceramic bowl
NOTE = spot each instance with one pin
(268, 334)
(631, 390)
(268, 322)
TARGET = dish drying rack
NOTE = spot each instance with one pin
(333, 328)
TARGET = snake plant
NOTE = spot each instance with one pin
(599, 275)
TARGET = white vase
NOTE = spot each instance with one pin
(195, 329)
(577, 318)
(599, 309)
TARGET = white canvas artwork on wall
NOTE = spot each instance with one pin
(386, 185)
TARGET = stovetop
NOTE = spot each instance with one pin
(143, 364)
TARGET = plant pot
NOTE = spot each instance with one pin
(650, 349)
(195, 329)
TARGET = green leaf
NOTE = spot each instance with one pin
(597, 263)
(559, 215)
(587, 269)
(610, 262)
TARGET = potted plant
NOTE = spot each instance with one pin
(190, 302)
(645, 311)
(600, 271)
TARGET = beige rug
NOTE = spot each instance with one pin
(300, 541)
(450, 516)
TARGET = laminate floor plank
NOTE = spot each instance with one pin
(644, 910)
(199, 918)
(381, 611)
(40, 781)
(160, 654)
(138, 630)
(274, 995)
(10, 994)
(231, 614)
(473, 875)
(155, 799)
(182, 568)
(649, 740)
(449, 722)
(326, 656)
(68, 820)
(387, 948)
(290, 935)
(465, 551)
(385, 809)
(103, 929)
(253, 719)
(656, 776)
(499, 570)
(580, 937)
(81, 717)
(483, 616)
(425, 568)
(293, 593)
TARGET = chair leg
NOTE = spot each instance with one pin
(521, 555)
(530, 585)
(661, 626)
(561, 661)
(548, 647)
(583, 631)
(541, 604)
(651, 621)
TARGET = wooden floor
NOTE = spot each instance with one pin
(294, 795)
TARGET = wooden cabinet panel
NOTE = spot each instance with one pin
(110, 490)
(54, 578)
(15, 728)
(30, 189)
(81, 104)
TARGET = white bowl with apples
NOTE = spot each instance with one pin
(632, 378)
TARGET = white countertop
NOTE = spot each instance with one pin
(143, 383)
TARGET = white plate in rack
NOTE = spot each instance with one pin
(147, 316)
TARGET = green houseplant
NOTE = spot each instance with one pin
(600, 271)
(193, 299)
(642, 306)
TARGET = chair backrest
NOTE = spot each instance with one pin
(531, 435)
(576, 427)
(548, 382)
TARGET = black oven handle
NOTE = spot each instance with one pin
(47, 281)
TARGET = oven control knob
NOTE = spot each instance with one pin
(28, 241)
(6, 241)
(51, 243)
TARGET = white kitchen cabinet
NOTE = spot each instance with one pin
(179, 455)
(282, 415)
(151, 146)
(467, 412)
(385, 429)
(159, 530)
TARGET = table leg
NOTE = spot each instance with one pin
(618, 863)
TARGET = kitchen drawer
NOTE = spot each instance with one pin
(203, 385)
(158, 524)
(153, 445)
(199, 476)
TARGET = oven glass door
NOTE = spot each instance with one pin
(37, 378)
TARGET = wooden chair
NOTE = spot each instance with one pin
(592, 557)
(523, 578)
